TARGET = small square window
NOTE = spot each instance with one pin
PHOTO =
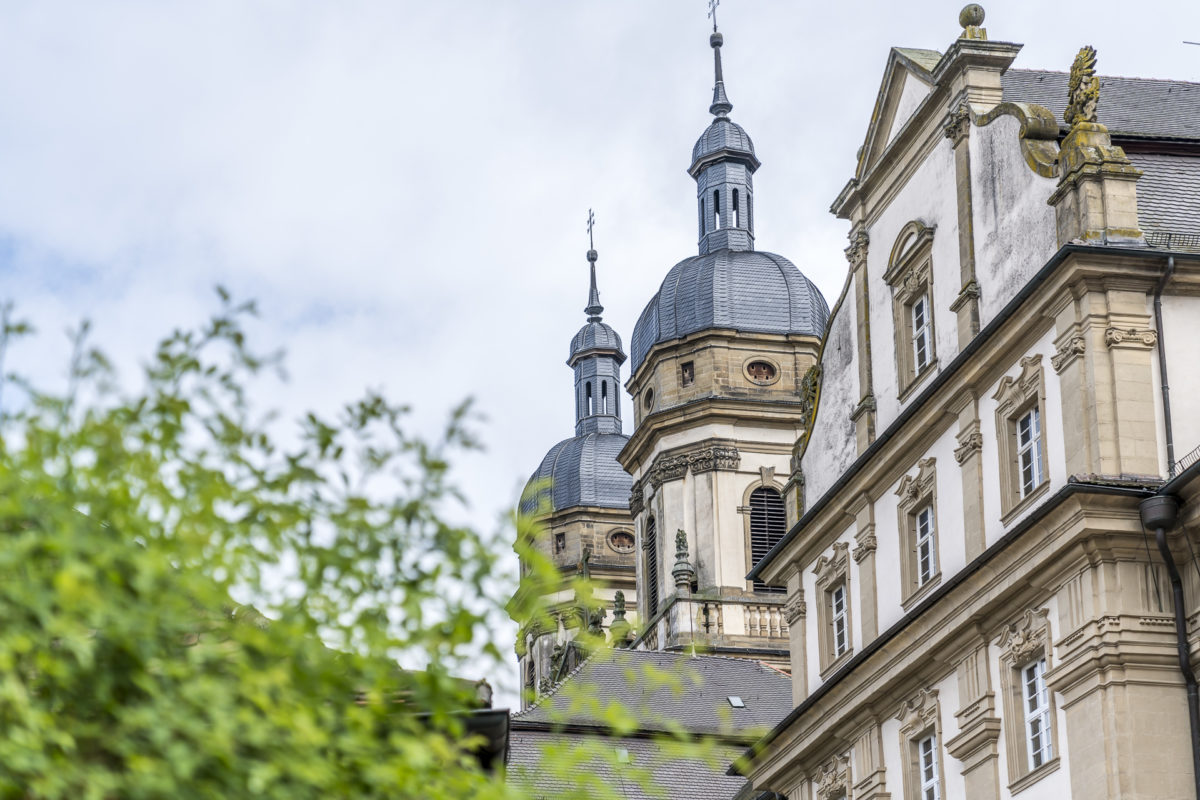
(687, 373)
(560, 542)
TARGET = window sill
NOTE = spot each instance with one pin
(836, 664)
(1030, 778)
(919, 593)
(918, 379)
(1026, 502)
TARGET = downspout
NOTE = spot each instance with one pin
(1162, 366)
(1158, 513)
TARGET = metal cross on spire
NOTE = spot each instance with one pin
(591, 224)
(594, 309)
(712, 11)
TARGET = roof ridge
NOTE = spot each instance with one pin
(1103, 77)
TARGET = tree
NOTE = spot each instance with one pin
(189, 609)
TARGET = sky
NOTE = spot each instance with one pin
(404, 186)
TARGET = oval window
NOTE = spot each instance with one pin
(648, 400)
(621, 541)
(761, 371)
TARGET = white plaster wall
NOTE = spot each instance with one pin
(1052, 432)
(949, 519)
(932, 197)
(1181, 320)
(913, 92)
(833, 447)
(815, 598)
(1014, 225)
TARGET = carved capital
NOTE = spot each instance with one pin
(637, 500)
(970, 442)
(856, 253)
(1067, 352)
(866, 546)
(967, 294)
(795, 608)
(1138, 339)
(957, 124)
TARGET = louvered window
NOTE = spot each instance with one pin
(768, 523)
(651, 568)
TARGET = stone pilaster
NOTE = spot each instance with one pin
(870, 772)
(976, 744)
(958, 129)
(863, 511)
(969, 455)
(795, 611)
(863, 416)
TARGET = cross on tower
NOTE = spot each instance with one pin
(590, 225)
(712, 11)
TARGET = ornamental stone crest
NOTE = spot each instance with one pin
(918, 713)
(828, 566)
(1067, 352)
(914, 487)
(1025, 637)
(1083, 88)
(833, 779)
(810, 387)
(1013, 391)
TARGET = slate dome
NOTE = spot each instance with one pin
(595, 336)
(745, 290)
(722, 134)
(580, 471)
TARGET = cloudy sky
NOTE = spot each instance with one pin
(403, 186)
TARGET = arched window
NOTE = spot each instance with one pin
(651, 569)
(604, 397)
(716, 210)
(703, 216)
(768, 524)
(737, 215)
(587, 406)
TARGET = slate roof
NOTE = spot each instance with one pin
(685, 779)
(928, 59)
(1168, 193)
(581, 471)
(595, 336)
(722, 134)
(1128, 106)
(698, 704)
(746, 290)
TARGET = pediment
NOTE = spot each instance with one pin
(907, 81)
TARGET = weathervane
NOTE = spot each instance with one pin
(712, 11)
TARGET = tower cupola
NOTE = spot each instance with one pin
(723, 165)
(596, 356)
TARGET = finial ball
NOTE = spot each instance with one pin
(592, 256)
(971, 15)
(716, 40)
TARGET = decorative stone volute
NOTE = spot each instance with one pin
(1096, 198)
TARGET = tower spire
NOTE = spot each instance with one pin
(721, 106)
(594, 309)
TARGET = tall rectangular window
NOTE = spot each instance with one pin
(921, 333)
(1029, 450)
(1038, 744)
(841, 635)
(926, 546)
(651, 568)
(928, 768)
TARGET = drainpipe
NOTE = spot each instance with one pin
(1159, 514)
(1162, 364)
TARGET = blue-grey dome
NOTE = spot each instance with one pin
(581, 471)
(595, 336)
(722, 134)
(746, 290)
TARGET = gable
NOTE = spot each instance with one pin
(907, 81)
(911, 92)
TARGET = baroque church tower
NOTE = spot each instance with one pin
(719, 357)
(580, 494)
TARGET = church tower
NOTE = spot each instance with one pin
(580, 495)
(719, 359)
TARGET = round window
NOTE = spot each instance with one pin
(621, 541)
(761, 371)
(648, 399)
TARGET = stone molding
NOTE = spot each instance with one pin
(1012, 392)
(914, 487)
(1133, 338)
(957, 124)
(1067, 352)
(637, 499)
(865, 405)
(967, 294)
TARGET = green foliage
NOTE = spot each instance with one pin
(189, 609)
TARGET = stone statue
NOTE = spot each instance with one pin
(1083, 88)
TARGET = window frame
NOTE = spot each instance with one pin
(833, 575)
(920, 722)
(1016, 398)
(910, 276)
(1043, 753)
(917, 493)
(1023, 644)
(747, 510)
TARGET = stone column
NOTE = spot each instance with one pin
(976, 744)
